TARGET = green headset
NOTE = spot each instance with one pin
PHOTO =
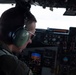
(19, 37)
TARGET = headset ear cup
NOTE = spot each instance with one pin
(20, 37)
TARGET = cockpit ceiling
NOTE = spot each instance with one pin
(48, 3)
(6, 1)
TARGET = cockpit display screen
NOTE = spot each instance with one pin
(35, 63)
(35, 56)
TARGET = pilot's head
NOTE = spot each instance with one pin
(17, 27)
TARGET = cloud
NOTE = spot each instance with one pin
(52, 19)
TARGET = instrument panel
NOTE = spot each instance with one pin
(49, 37)
(52, 51)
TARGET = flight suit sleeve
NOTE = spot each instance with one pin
(12, 66)
(23, 69)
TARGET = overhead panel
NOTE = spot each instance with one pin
(7, 1)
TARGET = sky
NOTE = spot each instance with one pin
(47, 18)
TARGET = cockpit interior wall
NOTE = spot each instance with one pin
(52, 52)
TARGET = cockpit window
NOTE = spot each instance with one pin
(47, 18)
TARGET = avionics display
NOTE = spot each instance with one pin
(35, 63)
(35, 55)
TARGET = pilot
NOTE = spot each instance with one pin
(17, 28)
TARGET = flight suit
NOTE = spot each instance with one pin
(11, 65)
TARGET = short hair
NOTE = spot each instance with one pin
(12, 19)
